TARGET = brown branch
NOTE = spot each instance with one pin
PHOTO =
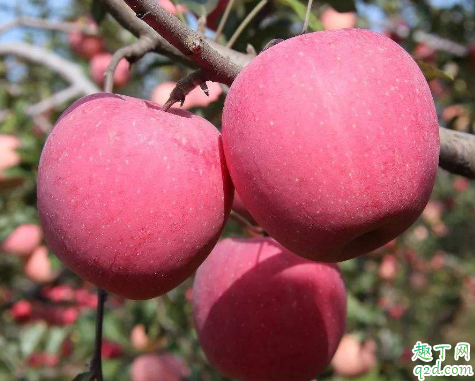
(457, 152)
(185, 85)
(187, 41)
(132, 53)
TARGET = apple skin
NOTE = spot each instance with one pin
(132, 198)
(152, 367)
(196, 97)
(265, 314)
(354, 358)
(99, 64)
(23, 240)
(332, 142)
(239, 208)
(332, 19)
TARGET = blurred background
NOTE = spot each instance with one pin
(419, 287)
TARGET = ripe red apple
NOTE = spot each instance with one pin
(111, 350)
(21, 311)
(353, 357)
(38, 266)
(196, 98)
(263, 313)
(23, 240)
(86, 46)
(213, 19)
(99, 64)
(389, 268)
(132, 198)
(332, 142)
(41, 359)
(239, 208)
(331, 19)
(153, 367)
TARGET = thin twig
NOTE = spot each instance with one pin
(223, 20)
(245, 22)
(54, 25)
(187, 41)
(307, 16)
(96, 363)
(244, 222)
(132, 53)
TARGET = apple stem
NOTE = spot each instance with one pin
(96, 362)
(307, 16)
(244, 222)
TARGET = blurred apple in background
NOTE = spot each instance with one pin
(389, 268)
(153, 367)
(99, 64)
(84, 45)
(38, 266)
(170, 7)
(23, 240)
(331, 19)
(354, 358)
(196, 98)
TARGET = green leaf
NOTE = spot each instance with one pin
(300, 9)
(56, 336)
(343, 5)
(30, 337)
(432, 72)
(98, 10)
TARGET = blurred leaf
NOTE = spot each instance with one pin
(199, 6)
(86, 376)
(55, 339)
(98, 10)
(30, 337)
(343, 5)
(300, 10)
(432, 72)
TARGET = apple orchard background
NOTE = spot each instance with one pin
(418, 287)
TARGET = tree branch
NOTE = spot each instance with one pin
(185, 85)
(69, 71)
(60, 26)
(457, 152)
(187, 41)
(132, 53)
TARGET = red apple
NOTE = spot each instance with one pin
(132, 198)
(354, 358)
(23, 240)
(21, 311)
(111, 350)
(38, 266)
(331, 19)
(239, 208)
(84, 45)
(196, 98)
(99, 64)
(40, 359)
(263, 313)
(153, 367)
(332, 142)
(461, 184)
